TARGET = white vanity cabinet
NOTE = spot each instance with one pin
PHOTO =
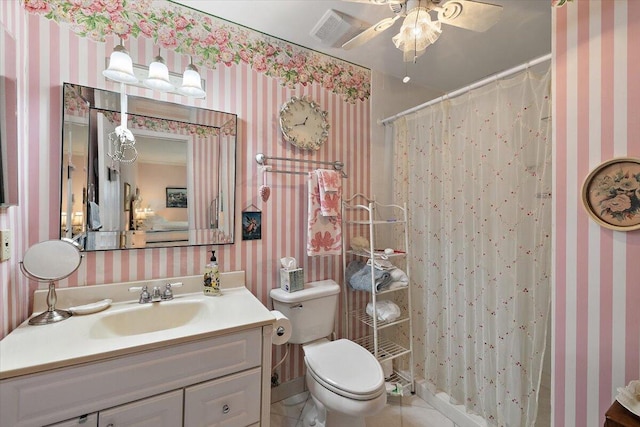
(223, 380)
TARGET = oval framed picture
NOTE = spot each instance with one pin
(611, 194)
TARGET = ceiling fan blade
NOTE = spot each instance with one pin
(471, 15)
(377, 1)
(370, 33)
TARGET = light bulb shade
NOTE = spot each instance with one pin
(191, 83)
(418, 31)
(158, 77)
(120, 66)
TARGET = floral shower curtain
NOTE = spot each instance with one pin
(475, 172)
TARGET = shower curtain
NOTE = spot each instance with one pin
(475, 172)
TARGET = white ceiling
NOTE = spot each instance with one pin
(459, 57)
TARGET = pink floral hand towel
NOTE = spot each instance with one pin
(324, 233)
(330, 189)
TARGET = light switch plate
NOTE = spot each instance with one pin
(5, 245)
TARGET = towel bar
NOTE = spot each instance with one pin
(261, 159)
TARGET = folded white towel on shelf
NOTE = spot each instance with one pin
(386, 311)
(397, 285)
(381, 264)
(398, 275)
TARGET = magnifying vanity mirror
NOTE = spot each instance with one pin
(50, 261)
(176, 186)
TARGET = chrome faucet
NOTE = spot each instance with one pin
(157, 294)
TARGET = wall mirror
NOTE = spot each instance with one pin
(179, 190)
(8, 120)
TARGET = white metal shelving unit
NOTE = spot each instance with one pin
(363, 213)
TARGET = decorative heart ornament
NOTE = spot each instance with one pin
(265, 192)
(264, 189)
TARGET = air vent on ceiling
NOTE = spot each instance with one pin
(335, 28)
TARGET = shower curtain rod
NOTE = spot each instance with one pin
(472, 86)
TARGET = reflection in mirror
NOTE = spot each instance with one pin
(179, 191)
(8, 120)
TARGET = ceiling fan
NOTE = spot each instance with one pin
(418, 31)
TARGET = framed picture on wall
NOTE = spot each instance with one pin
(176, 197)
(251, 224)
(611, 194)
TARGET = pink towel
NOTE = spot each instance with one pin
(324, 232)
(330, 186)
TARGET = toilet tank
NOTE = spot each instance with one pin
(312, 310)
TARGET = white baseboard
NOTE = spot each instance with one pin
(288, 389)
(440, 402)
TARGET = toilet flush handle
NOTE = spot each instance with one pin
(296, 307)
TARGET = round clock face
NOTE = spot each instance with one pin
(303, 123)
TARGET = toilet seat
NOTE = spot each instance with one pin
(346, 369)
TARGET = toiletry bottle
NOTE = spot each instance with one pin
(212, 277)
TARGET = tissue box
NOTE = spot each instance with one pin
(291, 280)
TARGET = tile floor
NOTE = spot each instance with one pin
(407, 411)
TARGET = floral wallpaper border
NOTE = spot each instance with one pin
(163, 125)
(209, 40)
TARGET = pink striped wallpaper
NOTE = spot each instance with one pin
(596, 316)
(51, 54)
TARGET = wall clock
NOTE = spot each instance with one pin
(303, 123)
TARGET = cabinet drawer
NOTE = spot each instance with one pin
(157, 411)
(232, 401)
(90, 420)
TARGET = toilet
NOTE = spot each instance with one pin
(345, 380)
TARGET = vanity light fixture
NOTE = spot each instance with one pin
(120, 66)
(191, 82)
(158, 77)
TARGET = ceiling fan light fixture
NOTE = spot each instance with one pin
(418, 31)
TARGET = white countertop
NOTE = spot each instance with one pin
(30, 349)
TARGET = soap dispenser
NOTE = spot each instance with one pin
(212, 277)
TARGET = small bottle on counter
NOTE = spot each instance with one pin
(211, 280)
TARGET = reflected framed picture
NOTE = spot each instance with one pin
(126, 196)
(176, 197)
(251, 225)
(611, 194)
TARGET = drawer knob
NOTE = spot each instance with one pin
(225, 409)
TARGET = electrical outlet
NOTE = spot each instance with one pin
(5, 245)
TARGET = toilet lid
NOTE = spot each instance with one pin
(346, 368)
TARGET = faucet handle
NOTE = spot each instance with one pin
(168, 292)
(144, 293)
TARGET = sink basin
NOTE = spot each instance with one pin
(146, 318)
